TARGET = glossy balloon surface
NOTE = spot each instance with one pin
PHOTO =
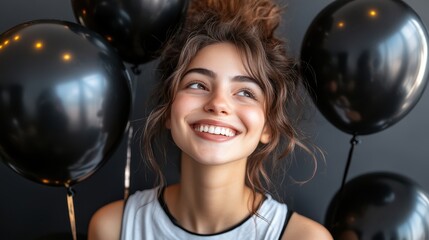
(380, 205)
(64, 101)
(366, 63)
(136, 28)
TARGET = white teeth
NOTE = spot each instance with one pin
(215, 130)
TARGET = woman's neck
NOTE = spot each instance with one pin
(210, 199)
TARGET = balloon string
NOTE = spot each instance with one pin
(70, 194)
(127, 174)
(353, 142)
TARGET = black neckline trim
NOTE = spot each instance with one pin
(176, 223)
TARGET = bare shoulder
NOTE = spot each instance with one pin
(106, 222)
(303, 228)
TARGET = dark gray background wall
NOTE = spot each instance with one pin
(33, 211)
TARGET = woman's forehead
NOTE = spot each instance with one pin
(220, 57)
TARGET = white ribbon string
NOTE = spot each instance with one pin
(72, 217)
(127, 165)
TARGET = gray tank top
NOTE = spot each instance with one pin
(146, 217)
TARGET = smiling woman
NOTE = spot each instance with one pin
(224, 83)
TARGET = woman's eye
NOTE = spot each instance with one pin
(197, 85)
(246, 93)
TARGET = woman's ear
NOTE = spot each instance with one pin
(265, 135)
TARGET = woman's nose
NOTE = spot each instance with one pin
(218, 103)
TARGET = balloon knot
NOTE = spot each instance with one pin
(354, 140)
(136, 69)
(70, 191)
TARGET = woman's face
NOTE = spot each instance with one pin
(218, 114)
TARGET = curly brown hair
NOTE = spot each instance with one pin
(249, 25)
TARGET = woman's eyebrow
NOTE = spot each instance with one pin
(243, 78)
(202, 71)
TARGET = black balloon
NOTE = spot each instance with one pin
(136, 28)
(366, 63)
(379, 205)
(64, 101)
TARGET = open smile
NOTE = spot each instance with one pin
(216, 130)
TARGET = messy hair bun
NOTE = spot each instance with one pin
(263, 14)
